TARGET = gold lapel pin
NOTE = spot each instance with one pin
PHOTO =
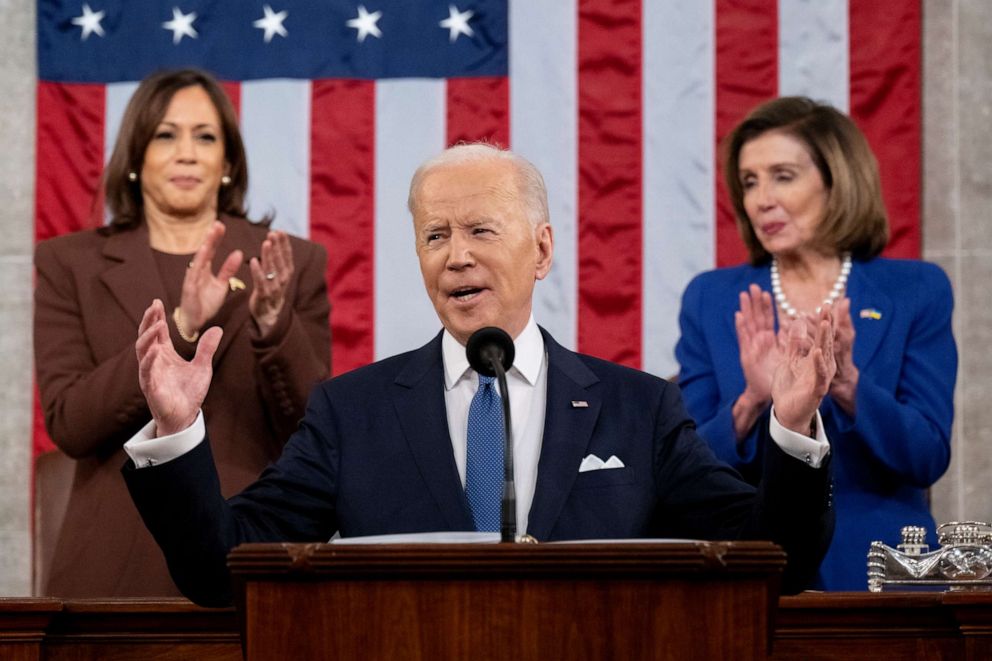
(235, 283)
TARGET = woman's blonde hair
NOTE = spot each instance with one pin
(855, 219)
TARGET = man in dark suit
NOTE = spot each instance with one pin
(601, 451)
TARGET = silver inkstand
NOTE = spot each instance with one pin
(963, 561)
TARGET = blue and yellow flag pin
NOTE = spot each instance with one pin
(870, 313)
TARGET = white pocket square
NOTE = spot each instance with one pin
(594, 463)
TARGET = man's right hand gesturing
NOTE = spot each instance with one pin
(174, 388)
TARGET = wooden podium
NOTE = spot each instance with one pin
(686, 600)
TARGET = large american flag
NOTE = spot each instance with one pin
(620, 103)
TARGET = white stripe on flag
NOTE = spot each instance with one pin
(275, 127)
(409, 128)
(814, 50)
(679, 107)
(117, 96)
(544, 130)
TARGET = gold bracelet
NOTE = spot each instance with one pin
(179, 327)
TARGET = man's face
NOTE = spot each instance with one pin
(479, 254)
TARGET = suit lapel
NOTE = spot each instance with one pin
(133, 279)
(418, 395)
(871, 313)
(567, 430)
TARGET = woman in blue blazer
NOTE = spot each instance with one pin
(807, 196)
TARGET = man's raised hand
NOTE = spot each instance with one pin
(174, 388)
(803, 378)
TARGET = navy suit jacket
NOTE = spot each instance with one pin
(896, 446)
(373, 456)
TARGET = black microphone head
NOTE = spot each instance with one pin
(487, 344)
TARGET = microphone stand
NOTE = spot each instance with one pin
(508, 503)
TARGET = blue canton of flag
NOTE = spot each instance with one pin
(102, 41)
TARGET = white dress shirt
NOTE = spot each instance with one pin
(528, 384)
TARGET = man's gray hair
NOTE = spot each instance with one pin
(530, 183)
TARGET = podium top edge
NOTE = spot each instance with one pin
(589, 559)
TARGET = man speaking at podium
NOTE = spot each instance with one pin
(406, 444)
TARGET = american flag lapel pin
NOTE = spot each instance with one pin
(580, 404)
(870, 313)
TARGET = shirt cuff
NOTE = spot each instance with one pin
(146, 450)
(808, 450)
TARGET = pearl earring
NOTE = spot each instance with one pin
(225, 181)
(132, 176)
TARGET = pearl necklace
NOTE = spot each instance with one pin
(835, 291)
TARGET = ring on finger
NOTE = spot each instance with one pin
(270, 276)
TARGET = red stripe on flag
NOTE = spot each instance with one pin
(69, 157)
(69, 164)
(342, 212)
(746, 75)
(885, 102)
(478, 109)
(609, 180)
(233, 90)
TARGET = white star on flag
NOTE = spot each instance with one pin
(365, 23)
(89, 22)
(272, 23)
(457, 23)
(181, 25)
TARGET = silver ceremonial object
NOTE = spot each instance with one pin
(963, 561)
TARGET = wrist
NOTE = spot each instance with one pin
(844, 392)
(801, 425)
(272, 325)
(167, 428)
(265, 323)
(186, 331)
(846, 379)
(751, 401)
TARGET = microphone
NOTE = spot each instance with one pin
(489, 347)
(490, 352)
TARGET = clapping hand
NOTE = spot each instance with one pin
(271, 276)
(759, 346)
(803, 377)
(174, 388)
(761, 351)
(844, 386)
(204, 293)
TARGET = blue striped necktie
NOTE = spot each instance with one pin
(484, 461)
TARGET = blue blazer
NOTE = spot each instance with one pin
(373, 456)
(897, 444)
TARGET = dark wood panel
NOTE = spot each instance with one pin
(22, 626)
(862, 625)
(98, 630)
(124, 650)
(506, 619)
(705, 600)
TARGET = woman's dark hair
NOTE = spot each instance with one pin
(855, 219)
(144, 112)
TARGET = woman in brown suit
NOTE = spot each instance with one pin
(175, 187)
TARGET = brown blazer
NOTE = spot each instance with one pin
(92, 289)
